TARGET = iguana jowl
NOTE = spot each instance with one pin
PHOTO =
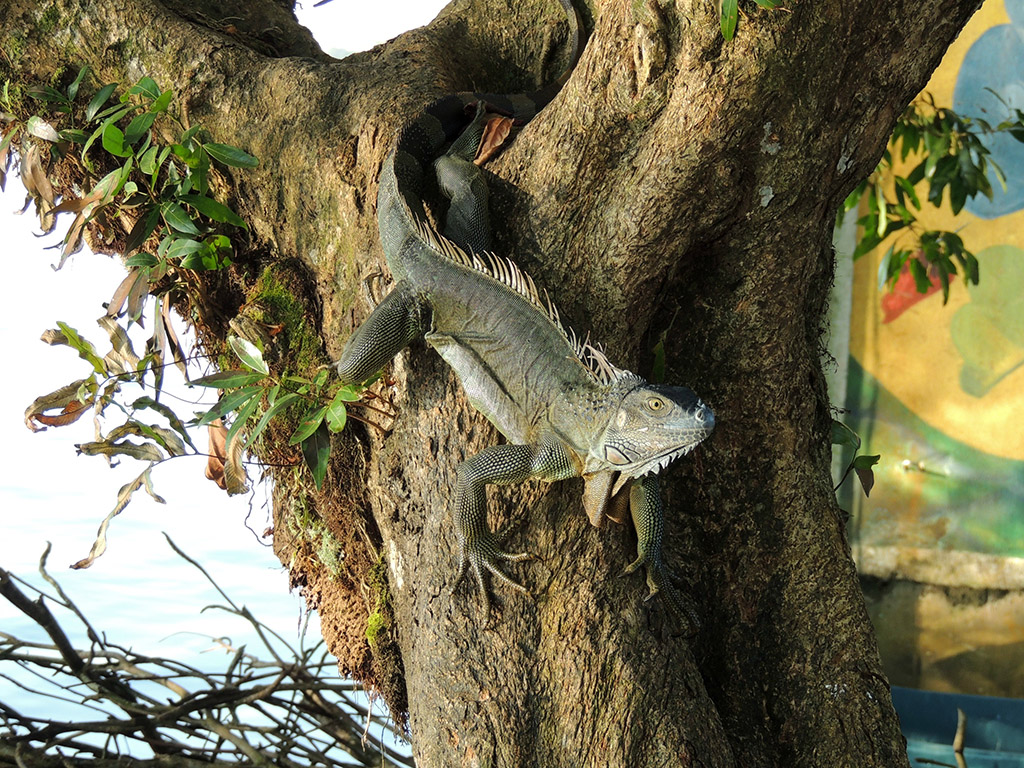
(565, 410)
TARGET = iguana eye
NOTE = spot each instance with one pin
(655, 404)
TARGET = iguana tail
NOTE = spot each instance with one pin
(399, 203)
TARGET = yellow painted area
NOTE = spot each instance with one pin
(915, 356)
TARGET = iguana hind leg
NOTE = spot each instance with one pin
(479, 547)
(396, 322)
(649, 520)
(468, 221)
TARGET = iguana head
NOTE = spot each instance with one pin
(652, 426)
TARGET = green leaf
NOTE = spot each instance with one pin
(186, 152)
(74, 135)
(177, 219)
(272, 411)
(113, 141)
(182, 248)
(98, 101)
(84, 348)
(862, 466)
(213, 210)
(249, 354)
(8, 138)
(244, 414)
(729, 15)
(350, 393)
(971, 268)
(843, 435)
(138, 127)
(167, 413)
(337, 414)
(159, 162)
(187, 136)
(309, 424)
(143, 228)
(867, 243)
(160, 104)
(229, 401)
(47, 94)
(908, 188)
(920, 275)
(883, 219)
(866, 462)
(227, 379)
(201, 173)
(147, 87)
(883, 268)
(233, 156)
(147, 163)
(73, 88)
(142, 260)
(316, 450)
(854, 197)
(163, 437)
(199, 260)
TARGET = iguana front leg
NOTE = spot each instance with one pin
(479, 546)
(397, 321)
(649, 520)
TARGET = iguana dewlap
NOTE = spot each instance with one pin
(565, 410)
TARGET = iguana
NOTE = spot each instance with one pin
(565, 410)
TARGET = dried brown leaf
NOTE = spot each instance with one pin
(57, 399)
(137, 295)
(5, 153)
(177, 351)
(121, 358)
(140, 451)
(218, 455)
(71, 204)
(72, 412)
(53, 337)
(73, 240)
(235, 476)
(34, 178)
(496, 130)
(121, 294)
(124, 496)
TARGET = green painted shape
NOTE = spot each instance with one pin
(989, 331)
(961, 499)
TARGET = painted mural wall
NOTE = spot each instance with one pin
(938, 390)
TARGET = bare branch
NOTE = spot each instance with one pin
(283, 711)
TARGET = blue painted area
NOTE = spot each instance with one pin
(994, 736)
(996, 63)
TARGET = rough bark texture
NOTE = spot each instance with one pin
(678, 185)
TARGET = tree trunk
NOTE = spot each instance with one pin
(679, 187)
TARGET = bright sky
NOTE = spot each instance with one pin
(140, 592)
(356, 25)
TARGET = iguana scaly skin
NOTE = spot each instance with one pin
(565, 410)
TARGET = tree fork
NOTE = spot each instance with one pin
(682, 182)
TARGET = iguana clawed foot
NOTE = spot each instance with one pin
(482, 555)
(659, 581)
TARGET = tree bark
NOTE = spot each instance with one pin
(678, 187)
